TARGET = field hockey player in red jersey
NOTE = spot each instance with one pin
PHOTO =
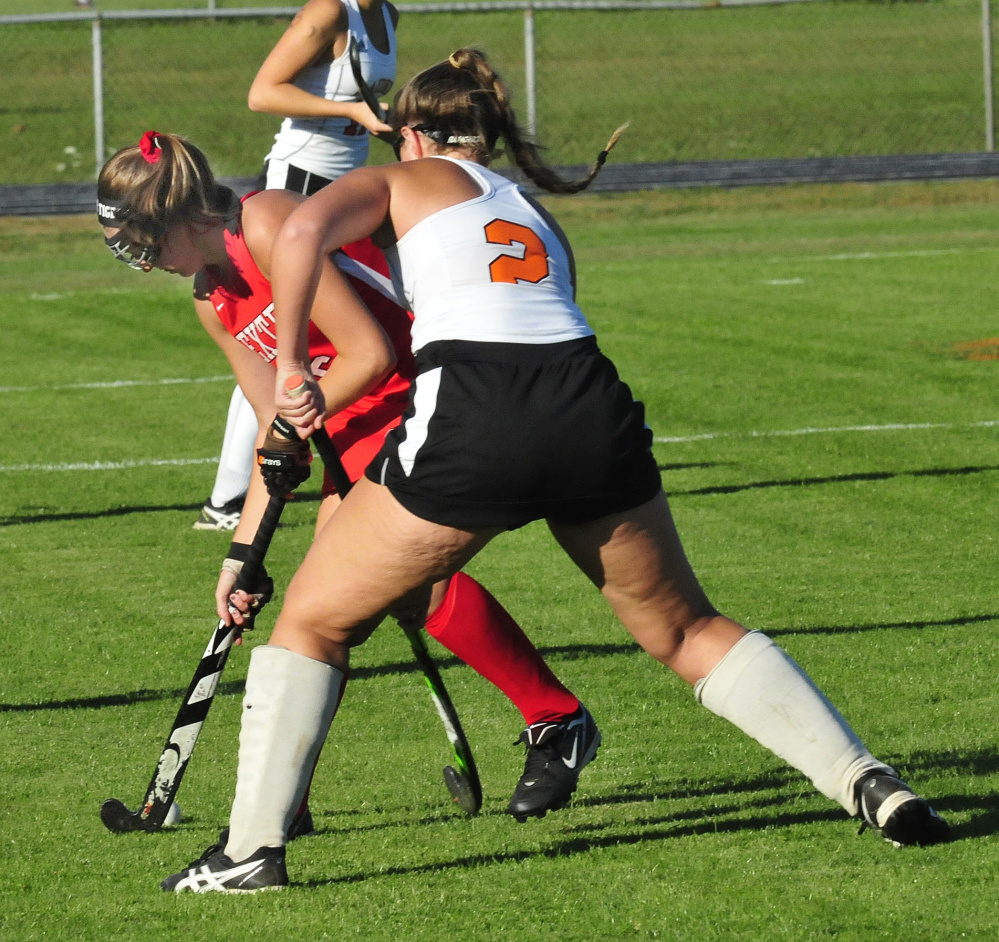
(308, 79)
(161, 208)
(515, 415)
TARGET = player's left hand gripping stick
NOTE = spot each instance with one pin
(194, 710)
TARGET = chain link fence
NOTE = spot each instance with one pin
(729, 81)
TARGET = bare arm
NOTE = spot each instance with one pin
(364, 352)
(256, 379)
(383, 202)
(317, 33)
(254, 376)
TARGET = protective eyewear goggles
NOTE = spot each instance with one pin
(113, 214)
(139, 257)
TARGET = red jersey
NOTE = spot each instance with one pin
(245, 306)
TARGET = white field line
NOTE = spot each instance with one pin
(123, 384)
(910, 253)
(79, 292)
(663, 439)
(106, 465)
(862, 257)
(787, 433)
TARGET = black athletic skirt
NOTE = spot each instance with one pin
(297, 180)
(498, 435)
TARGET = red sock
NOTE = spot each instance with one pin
(473, 625)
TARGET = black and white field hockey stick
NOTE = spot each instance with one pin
(367, 92)
(462, 782)
(197, 701)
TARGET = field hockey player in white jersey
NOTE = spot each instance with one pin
(515, 415)
(308, 80)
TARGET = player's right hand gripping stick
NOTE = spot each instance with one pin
(285, 458)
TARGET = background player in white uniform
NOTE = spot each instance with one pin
(498, 334)
(307, 79)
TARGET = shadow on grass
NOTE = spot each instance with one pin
(18, 520)
(984, 813)
(913, 767)
(626, 795)
(688, 465)
(757, 814)
(115, 700)
(228, 688)
(566, 652)
(684, 824)
(720, 798)
(883, 626)
(983, 810)
(95, 514)
(833, 479)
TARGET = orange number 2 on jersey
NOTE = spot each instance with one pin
(509, 269)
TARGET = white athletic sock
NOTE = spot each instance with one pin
(762, 690)
(236, 463)
(289, 704)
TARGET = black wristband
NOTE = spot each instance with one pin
(238, 551)
(285, 429)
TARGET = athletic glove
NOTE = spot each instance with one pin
(284, 460)
(262, 591)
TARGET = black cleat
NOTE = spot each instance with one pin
(556, 754)
(213, 872)
(889, 806)
(301, 825)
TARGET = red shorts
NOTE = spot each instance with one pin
(358, 432)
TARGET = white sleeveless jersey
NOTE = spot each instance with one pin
(490, 269)
(331, 147)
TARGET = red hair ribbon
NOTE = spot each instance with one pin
(149, 145)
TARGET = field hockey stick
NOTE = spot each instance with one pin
(367, 92)
(193, 711)
(462, 782)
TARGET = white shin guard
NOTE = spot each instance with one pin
(761, 689)
(289, 704)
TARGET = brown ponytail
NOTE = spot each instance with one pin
(466, 101)
(159, 182)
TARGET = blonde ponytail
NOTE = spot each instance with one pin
(159, 182)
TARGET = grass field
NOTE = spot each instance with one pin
(802, 80)
(820, 369)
